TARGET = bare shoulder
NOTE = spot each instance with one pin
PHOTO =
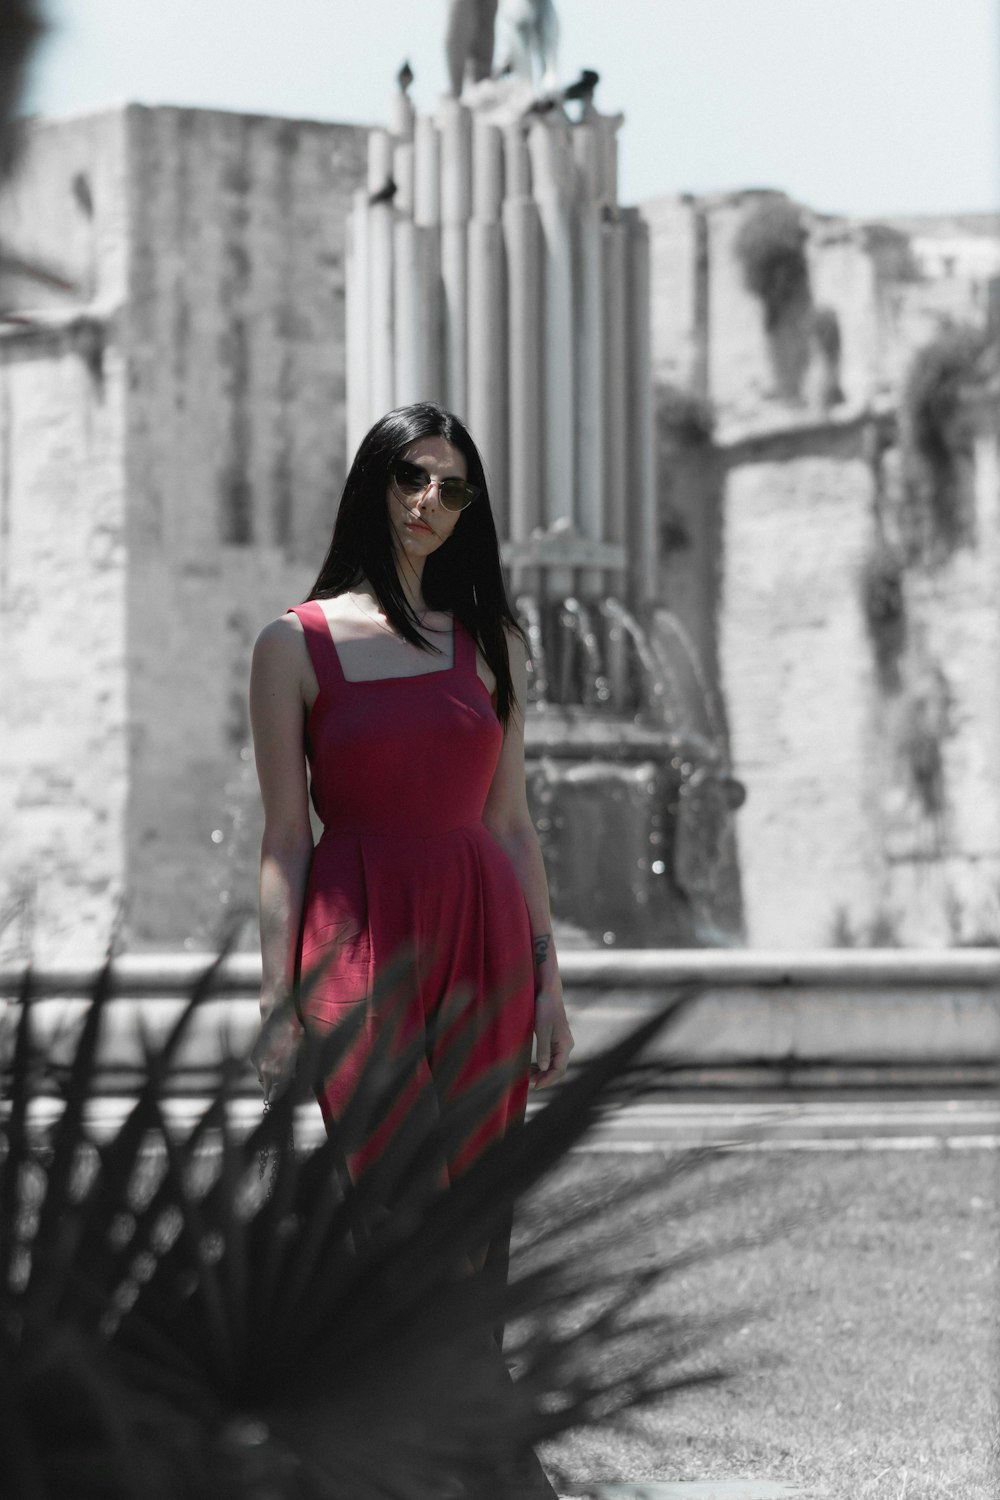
(281, 660)
(280, 641)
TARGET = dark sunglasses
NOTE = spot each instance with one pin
(410, 480)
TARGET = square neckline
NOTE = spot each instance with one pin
(405, 677)
(319, 639)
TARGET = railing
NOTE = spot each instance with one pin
(170, 975)
(878, 1017)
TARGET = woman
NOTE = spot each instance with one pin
(403, 680)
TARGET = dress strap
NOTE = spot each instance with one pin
(319, 641)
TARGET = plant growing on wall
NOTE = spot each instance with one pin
(685, 422)
(884, 605)
(924, 732)
(826, 336)
(22, 26)
(770, 247)
(936, 438)
(683, 417)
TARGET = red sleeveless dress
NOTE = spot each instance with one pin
(400, 769)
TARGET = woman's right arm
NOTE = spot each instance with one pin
(277, 718)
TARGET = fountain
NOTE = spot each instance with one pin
(491, 268)
(628, 778)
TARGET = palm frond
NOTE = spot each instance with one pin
(327, 1337)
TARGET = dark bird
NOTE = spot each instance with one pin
(385, 194)
(584, 86)
(543, 105)
(404, 77)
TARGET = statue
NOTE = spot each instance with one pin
(469, 42)
(533, 28)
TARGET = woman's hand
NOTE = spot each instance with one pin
(553, 1038)
(274, 1051)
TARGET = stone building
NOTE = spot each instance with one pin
(172, 442)
(868, 742)
(172, 431)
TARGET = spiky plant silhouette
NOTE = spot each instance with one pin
(174, 1324)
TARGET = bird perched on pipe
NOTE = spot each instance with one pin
(385, 193)
(584, 86)
(543, 106)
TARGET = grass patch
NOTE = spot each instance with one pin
(870, 1351)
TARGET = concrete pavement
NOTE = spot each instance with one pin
(663, 1124)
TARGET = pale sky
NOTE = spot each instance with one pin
(853, 106)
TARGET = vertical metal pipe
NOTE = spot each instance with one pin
(609, 126)
(358, 404)
(643, 530)
(380, 149)
(553, 176)
(487, 323)
(616, 461)
(407, 371)
(380, 309)
(487, 331)
(516, 161)
(589, 371)
(454, 285)
(402, 116)
(402, 176)
(427, 172)
(430, 334)
(616, 382)
(488, 171)
(455, 124)
(523, 242)
(427, 218)
(380, 352)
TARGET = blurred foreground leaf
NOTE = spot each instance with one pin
(175, 1324)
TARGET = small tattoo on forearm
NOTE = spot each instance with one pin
(542, 943)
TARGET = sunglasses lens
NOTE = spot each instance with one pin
(408, 479)
(456, 494)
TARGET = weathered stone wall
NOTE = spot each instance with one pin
(678, 289)
(63, 689)
(171, 455)
(171, 449)
(798, 685)
(943, 800)
(846, 835)
(739, 380)
(892, 285)
(845, 277)
(67, 207)
(236, 459)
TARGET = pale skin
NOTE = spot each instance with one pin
(283, 688)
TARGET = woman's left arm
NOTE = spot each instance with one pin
(507, 817)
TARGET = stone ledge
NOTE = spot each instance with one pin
(697, 1489)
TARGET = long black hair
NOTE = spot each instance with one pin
(463, 575)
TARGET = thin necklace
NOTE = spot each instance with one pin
(420, 614)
